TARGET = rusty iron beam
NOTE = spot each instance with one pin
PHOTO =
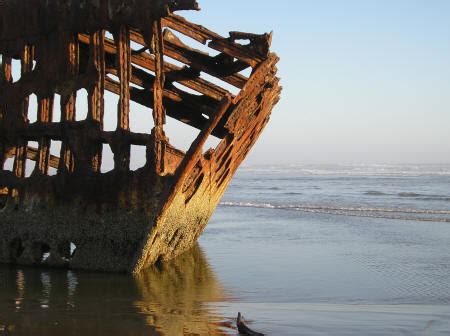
(201, 61)
(185, 76)
(201, 104)
(199, 33)
(176, 110)
(179, 51)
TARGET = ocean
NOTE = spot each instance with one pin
(298, 249)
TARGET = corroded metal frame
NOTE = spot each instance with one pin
(122, 220)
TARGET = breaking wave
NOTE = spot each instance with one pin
(428, 215)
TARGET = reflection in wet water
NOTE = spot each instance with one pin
(169, 300)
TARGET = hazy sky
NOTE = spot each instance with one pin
(364, 81)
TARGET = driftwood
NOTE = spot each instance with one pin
(243, 329)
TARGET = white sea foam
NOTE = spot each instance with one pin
(355, 169)
(388, 213)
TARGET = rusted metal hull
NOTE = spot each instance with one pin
(122, 220)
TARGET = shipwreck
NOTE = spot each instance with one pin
(62, 210)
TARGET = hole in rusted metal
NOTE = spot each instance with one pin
(29, 167)
(247, 72)
(108, 35)
(31, 164)
(110, 116)
(107, 159)
(55, 147)
(56, 115)
(144, 69)
(211, 143)
(32, 108)
(192, 43)
(45, 257)
(137, 47)
(64, 250)
(137, 157)
(40, 252)
(113, 77)
(9, 164)
(45, 253)
(231, 88)
(52, 171)
(181, 135)
(135, 86)
(186, 89)
(81, 105)
(141, 120)
(16, 70)
(73, 249)
(173, 61)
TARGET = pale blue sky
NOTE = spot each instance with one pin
(364, 81)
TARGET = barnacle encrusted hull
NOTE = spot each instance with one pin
(59, 208)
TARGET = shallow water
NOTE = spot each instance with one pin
(359, 250)
(169, 300)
